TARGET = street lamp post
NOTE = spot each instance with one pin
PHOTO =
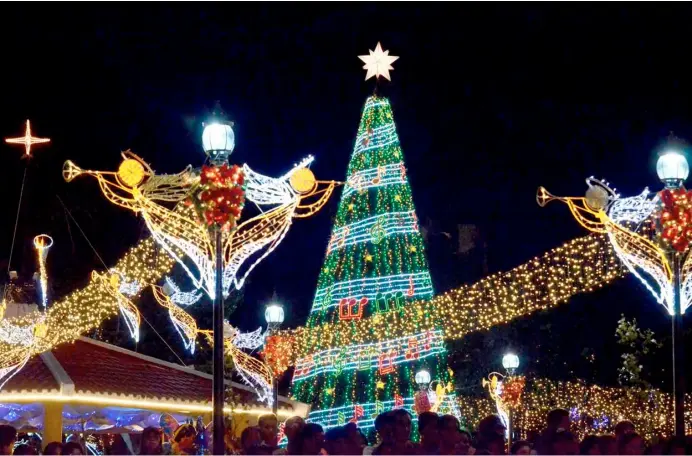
(652, 236)
(672, 169)
(510, 362)
(274, 315)
(218, 141)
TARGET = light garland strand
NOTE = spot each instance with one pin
(593, 409)
(578, 266)
(80, 312)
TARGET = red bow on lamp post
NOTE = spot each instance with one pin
(221, 197)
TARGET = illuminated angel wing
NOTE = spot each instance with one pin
(20, 357)
(182, 321)
(130, 313)
(252, 340)
(183, 298)
(254, 373)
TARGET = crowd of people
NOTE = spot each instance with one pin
(443, 435)
(439, 435)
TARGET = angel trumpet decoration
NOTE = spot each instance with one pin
(183, 230)
(652, 235)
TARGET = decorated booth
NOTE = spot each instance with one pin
(91, 387)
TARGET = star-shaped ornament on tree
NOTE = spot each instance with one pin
(27, 140)
(378, 63)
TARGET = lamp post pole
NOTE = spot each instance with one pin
(678, 352)
(218, 356)
(510, 362)
(672, 169)
(274, 315)
(218, 141)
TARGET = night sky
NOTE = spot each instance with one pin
(490, 100)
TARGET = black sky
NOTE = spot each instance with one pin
(491, 101)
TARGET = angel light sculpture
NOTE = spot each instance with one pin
(652, 234)
(646, 233)
(184, 232)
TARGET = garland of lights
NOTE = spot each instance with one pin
(83, 310)
(593, 409)
(649, 232)
(135, 186)
(581, 265)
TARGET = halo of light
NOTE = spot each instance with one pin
(303, 181)
(43, 241)
(131, 172)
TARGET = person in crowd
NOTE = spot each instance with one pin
(556, 420)
(492, 444)
(631, 443)
(292, 428)
(520, 447)
(312, 439)
(8, 437)
(335, 441)
(607, 444)
(449, 432)
(184, 440)
(269, 430)
(250, 438)
(490, 431)
(72, 448)
(53, 448)
(384, 426)
(623, 428)
(563, 442)
(676, 445)
(465, 440)
(589, 445)
(355, 439)
(151, 441)
(429, 433)
(24, 449)
(402, 432)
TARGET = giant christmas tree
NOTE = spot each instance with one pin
(375, 265)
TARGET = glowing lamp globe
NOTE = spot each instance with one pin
(218, 141)
(274, 314)
(672, 168)
(510, 362)
(422, 377)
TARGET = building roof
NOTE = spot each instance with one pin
(93, 372)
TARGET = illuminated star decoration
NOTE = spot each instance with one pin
(378, 63)
(27, 140)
